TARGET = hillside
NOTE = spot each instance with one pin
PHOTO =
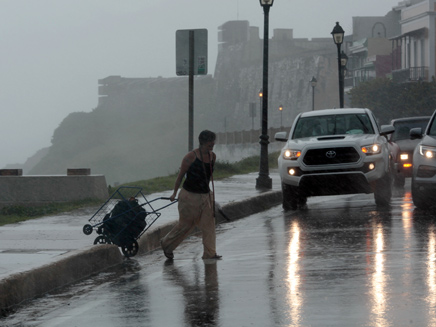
(141, 139)
(30, 162)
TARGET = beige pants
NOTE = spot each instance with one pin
(194, 210)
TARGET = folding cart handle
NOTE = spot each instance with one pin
(165, 198)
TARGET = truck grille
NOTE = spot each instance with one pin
(331, 156)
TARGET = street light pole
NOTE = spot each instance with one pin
(344, 60)
(338, 38)
(281, 115)
(260, 108)
(313, 82)
(264, 181)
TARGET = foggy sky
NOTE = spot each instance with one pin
(54, 51)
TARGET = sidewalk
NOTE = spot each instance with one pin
(42, 243)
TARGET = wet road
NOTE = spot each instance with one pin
(341, 262)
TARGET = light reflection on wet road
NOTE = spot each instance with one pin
(342, 262)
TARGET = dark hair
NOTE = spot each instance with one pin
(206, 136)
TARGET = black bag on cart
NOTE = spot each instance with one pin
(126, 220)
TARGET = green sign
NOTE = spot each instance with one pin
(183, 45)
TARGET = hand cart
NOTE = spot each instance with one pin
(123, 218)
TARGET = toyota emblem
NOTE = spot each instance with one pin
(330, 154)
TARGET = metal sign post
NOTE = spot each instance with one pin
(191, 59)
(191, 90)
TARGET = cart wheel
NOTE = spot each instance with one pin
(131, 249)
(102, 240)
(87, 229)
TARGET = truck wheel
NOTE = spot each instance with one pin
(292, 197)
(383, 190)
(399, 180)
(290, 200)
(420, 199)
(302, 198)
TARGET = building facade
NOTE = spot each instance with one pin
(369, 48)
(400, 45)
(414, 49)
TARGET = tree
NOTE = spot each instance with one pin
(389, 100)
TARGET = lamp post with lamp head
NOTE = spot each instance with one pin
(264, 181)
(344, 60)
(260, 108)
(338, 38)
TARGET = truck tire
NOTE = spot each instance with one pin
(420, 198)
(383, 190)
(399, 180)
(292, 197)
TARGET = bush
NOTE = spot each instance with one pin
(389, 100)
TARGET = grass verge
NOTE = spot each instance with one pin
(15, 214)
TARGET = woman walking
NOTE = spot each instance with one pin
(196, 201)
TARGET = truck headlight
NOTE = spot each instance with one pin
(291, 154)
(371, 149)
(427, 151)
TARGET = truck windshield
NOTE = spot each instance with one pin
(402, 128)
(333, 125)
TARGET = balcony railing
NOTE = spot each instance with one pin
(354, 81)
(410, 74)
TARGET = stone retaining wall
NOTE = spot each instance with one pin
(41, 190)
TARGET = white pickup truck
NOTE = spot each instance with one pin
(335, 151)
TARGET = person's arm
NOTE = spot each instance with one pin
(186, 163)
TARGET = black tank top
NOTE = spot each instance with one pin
(197, 179)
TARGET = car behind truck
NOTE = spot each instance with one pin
(424, 165)
(404, 156)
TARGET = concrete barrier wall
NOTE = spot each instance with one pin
(40, 190)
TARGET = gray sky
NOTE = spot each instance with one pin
(54, 51)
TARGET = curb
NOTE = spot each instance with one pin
(79, 264)
(237, 210)
(75, 266)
